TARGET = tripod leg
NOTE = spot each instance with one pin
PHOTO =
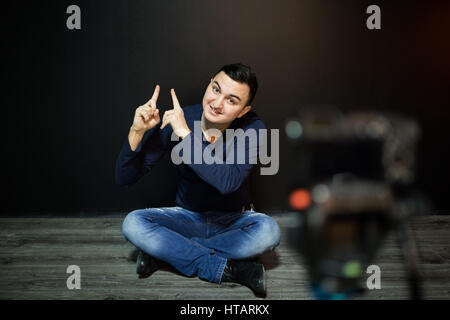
(408, 246)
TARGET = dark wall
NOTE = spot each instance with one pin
(69, 96)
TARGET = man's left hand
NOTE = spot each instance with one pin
(175, 118)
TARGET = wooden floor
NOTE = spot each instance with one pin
(35, 254)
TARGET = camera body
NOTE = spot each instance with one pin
(340, 234)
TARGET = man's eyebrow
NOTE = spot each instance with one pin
(231, 95)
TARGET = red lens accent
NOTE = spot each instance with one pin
(300, 199)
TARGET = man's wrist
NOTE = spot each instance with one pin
(183, 133)
(134, 138)
(140, 132)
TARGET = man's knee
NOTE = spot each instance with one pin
(132, 223)
(270, 233)
(266, 233)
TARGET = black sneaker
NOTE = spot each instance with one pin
(146, 265)
(248, 273)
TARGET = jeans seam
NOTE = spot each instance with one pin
(220, 269)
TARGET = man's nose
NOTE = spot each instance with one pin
(219, 103)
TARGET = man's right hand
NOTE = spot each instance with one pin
(147, 115)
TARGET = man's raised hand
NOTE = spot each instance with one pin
(147, 115)
(175, 118)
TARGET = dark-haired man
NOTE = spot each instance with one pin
(213, 231)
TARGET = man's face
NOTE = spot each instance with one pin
(225, 99)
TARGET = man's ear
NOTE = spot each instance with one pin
(244, 111)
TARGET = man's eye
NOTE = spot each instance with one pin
(216, 90)
(231, 101)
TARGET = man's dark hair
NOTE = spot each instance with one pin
(243, 74)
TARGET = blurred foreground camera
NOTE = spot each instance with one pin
(356, 186)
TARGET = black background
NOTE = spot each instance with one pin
(69, 96)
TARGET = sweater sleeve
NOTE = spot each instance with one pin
(132, 165)
(241, 155)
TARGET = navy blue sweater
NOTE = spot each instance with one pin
(202, 187)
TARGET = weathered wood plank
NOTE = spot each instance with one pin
(35, 252)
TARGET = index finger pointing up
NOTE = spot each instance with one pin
(155, 95)
(176, 104)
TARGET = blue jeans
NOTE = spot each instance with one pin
(200, 243)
